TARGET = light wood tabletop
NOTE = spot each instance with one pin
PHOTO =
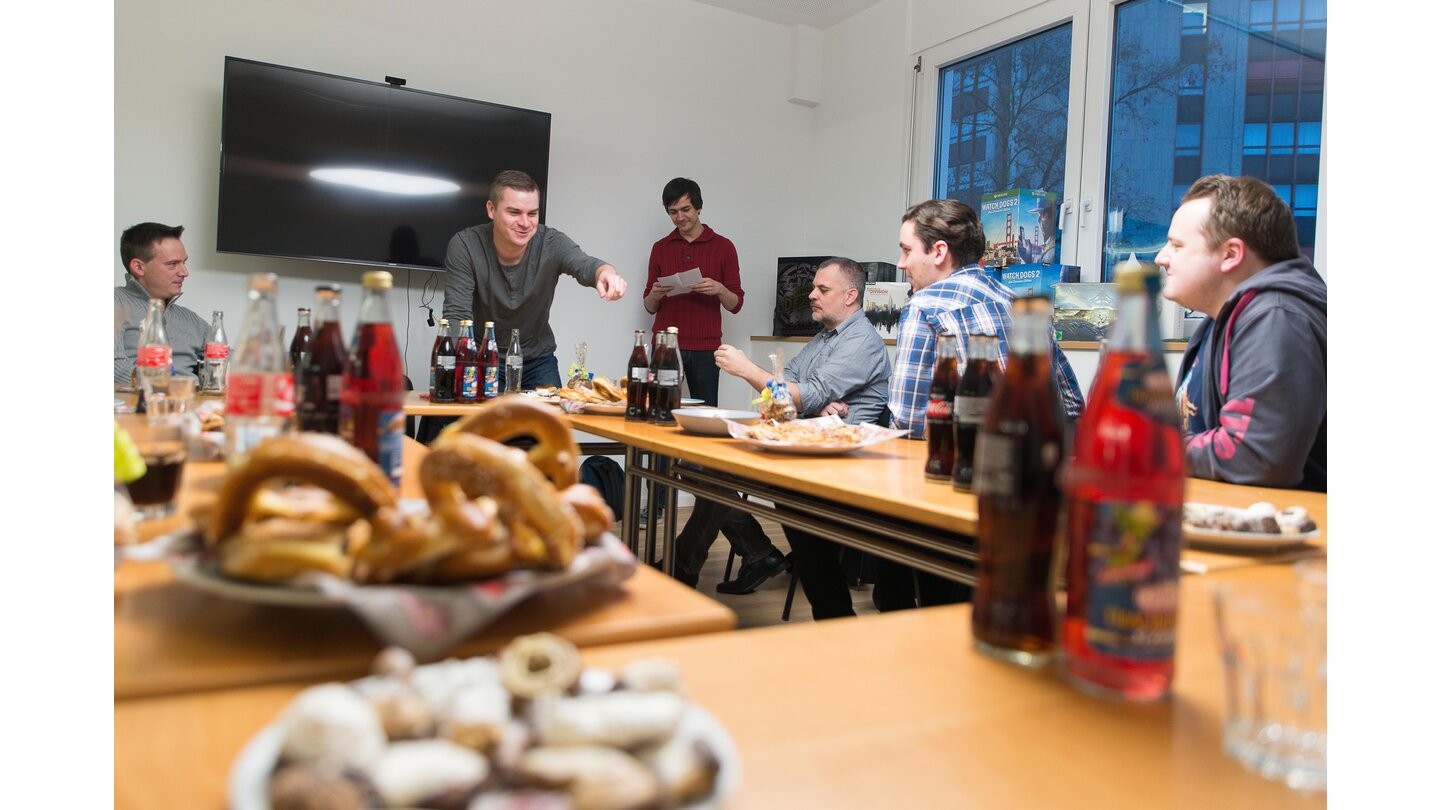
(170, 637)
(888, 479)
(890, 710)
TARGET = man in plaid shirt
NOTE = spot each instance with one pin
(941, 243)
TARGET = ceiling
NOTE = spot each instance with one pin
(814, 13)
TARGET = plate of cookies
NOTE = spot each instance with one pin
(1259, 525)
(529, 727)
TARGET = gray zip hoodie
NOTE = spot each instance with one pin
(1264, 383)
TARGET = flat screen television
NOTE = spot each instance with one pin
(315, 166)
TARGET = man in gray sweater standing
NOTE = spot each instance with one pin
(506, 270)
(154, 261)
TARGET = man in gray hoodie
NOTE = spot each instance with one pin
(1252, 383)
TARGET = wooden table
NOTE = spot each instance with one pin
(889, 710)
(171, 638)
(876, 499)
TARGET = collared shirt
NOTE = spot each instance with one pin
(479, 288)
(183, 328)
(968, 301)
(847, 364)
(696, 315)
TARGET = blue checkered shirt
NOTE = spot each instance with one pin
(969, 301)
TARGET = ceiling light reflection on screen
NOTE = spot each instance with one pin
(386, 182)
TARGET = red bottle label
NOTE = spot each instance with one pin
(246, 394)
(1133, 580)
(216, 351)
(940, 409)
(153, 356)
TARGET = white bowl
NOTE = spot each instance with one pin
(711, 421)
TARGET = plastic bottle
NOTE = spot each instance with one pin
(372, 394)
(216, 365)
(260, 394)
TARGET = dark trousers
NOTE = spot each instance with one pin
(692, 544)
(895, 588)
(817, 564)
(542, 370)
(701, 374)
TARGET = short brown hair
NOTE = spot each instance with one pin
(1248, 209)
(952, 222)
(511, 178)
(139, 241)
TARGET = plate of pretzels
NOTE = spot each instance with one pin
(595, 395)
(310, 521)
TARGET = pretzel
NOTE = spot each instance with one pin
(326, 461)
(589, 504)
(512, 416)
(391, 545)
(545, 531)
(605, 388)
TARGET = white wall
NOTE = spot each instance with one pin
(639, 91)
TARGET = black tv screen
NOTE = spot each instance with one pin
(315, 166)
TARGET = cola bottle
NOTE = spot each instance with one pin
(153, 357)
(639, 375)
(514, 364)
(260, 394)
(489, 364)
(372, 394)
(467, 364)
(216, 364)
(1125, 494)
(972, 397)
(940, 411)
(442, 365)
(667, 379)
(1017, 459)
(318, 383)
(301, 342)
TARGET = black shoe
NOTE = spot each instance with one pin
(753, 575)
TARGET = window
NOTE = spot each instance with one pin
(1003, 119)
(1254, 70)
(1141, 98)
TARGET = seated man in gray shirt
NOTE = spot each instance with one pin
(506, 270)
(154, 260)
(843, 370)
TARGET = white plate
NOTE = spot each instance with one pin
(869, 434)
(247, 787)
(711, 421)
(606, 409)
(1246, 540)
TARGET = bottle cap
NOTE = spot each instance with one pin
(263, 282)
(303, 310)
(467, 322)
(1131, 274)
(674, 330)
(444, 321)
(335, 288)
(489, 324)
(377, 280)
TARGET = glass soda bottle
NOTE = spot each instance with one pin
(260, 394)
(489, 364)
(514, 364)
(1125, 495)
(372, 395)
(442, 365)
(301, 341)
(667, 378)
(639, 375)
(153, 356)
(318, 384)
(216, 364)
(1017, 459)
(467, 364)
(940, 411)
(972, 398)
(656, 340)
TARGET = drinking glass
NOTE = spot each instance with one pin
(1272, 645)
(162, 445)
(167, 398)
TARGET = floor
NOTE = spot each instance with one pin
(764, 606)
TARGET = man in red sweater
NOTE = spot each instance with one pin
(696, 311)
